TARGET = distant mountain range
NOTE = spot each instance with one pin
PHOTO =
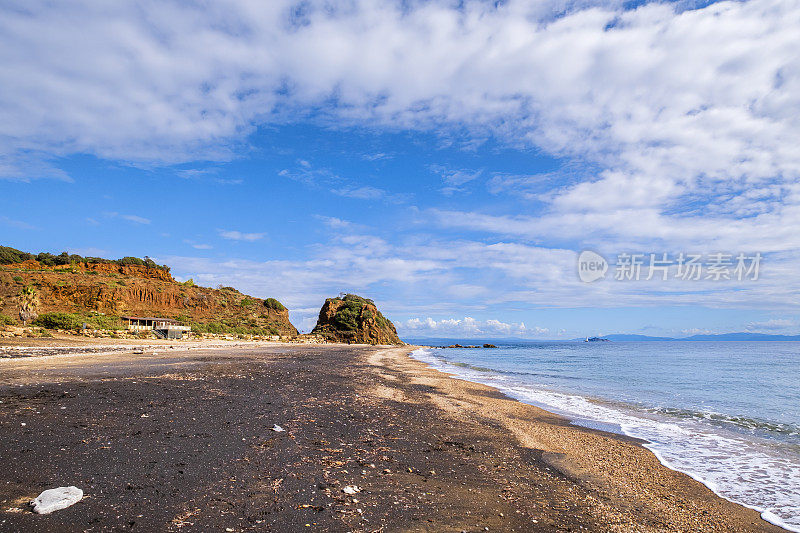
(619, 337)
(742, 336)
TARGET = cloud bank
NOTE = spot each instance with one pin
(653, 93)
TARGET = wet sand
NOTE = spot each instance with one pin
(182, 441)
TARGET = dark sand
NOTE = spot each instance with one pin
(182, 441)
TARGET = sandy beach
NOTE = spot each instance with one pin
(182, 440)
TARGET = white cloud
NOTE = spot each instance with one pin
(467, 327)
(685, 99)
(429, 277)
(351, 263)
(323, 178)
(136, 219)
(234, 235)
(196, 245)
(454, 179)
(774, 325)
(18, 224)
(207, 175)
(530, 187)
(193, 173)
(379, 156)
(336, 223)
(643, 228)
(698, 331)
(362, 193)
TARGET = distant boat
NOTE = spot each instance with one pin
(596, 339)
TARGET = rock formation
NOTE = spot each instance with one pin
(114, 290)
(352, 319)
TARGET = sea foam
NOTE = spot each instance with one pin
(753, 472)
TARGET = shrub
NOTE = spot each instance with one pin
(6, 320)
(130, 261)
(75, 321)
(211, 327)
(58, 321)
(109, 322)
(346, 317)
(356, 298)
(246, 302)
(18, 279)
(53, 260)
(188, 283)
(346, 320)
(10, 256)
(272, 303)
(352, 310)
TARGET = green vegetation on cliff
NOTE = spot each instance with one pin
(352, 309)
(272, 303)
(11, 256)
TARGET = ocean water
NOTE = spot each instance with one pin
(726, 413)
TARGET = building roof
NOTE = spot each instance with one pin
(160, 319)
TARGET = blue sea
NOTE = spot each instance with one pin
(725, 413)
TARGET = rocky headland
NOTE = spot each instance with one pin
(352, 319)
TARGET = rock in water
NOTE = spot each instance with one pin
(352, 319)
(56, 499)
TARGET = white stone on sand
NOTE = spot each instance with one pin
(56, 499)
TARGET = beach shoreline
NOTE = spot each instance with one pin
(183, 440)
(595, 410)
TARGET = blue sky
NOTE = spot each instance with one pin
(447, 160)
